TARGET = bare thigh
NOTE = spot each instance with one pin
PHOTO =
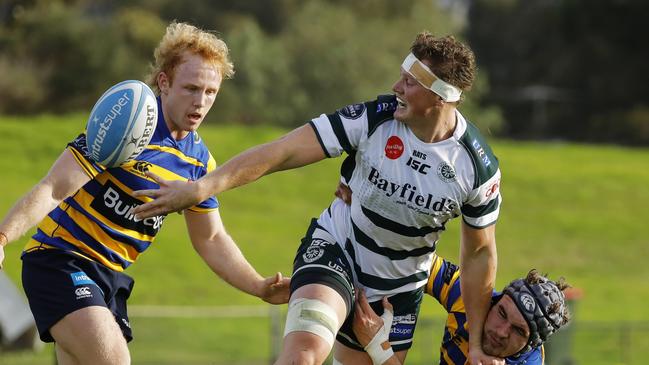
(90, 336)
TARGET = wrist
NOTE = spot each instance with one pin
(3, 239)
(201, 190)
(379, 349)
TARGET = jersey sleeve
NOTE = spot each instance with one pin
(444, 284)
(343, 130)
(483, 207)
(79, 149)
(211, 203)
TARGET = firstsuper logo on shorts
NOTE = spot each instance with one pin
(81, 278)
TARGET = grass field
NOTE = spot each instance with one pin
(573, 210)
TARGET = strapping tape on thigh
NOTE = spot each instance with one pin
(314, 316)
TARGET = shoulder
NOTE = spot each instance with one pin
(375, 111)
(194, 147)
(380, 110)
(484, 160)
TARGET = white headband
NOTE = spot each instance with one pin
(427, 79)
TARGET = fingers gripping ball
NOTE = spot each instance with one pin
(121, 123)
(379, 348)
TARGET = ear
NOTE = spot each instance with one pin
(438, 102)
(163, 83)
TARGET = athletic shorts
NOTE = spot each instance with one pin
(58, 283)
(320, 260)
(406, 311)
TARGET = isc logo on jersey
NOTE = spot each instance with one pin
(121, 123)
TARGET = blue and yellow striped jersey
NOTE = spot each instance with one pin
(444, 285)
(97, 221)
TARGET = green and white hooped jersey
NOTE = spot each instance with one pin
(404, 192)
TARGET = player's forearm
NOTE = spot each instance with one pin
(478, 276)
(244, 168)
(298, 148)
(28, 211)
(226, 260)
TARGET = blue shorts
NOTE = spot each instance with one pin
(58, 283)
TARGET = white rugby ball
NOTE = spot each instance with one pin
(121, 123)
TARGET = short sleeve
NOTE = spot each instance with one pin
(79, 149)
(483, 206)
(444, 284)
(211, 203)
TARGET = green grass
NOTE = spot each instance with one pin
(572, 210)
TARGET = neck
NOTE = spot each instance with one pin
(435, 128)
(175, 133)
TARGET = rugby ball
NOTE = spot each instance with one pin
(121, 123)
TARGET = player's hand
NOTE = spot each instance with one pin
(344, 192)
(478, 357)
(367, 324)
(172, 196)
(275, 289)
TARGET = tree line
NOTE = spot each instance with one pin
(569, 69)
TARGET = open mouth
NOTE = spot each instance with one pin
(400, 103)
(195, 116)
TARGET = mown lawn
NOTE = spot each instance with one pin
(574, 210)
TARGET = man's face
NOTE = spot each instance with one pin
(189, 96)
(415, 102)
(505, 331)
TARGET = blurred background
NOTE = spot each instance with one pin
(560, 95)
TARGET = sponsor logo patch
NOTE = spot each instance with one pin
(386, 107)
(141, 167)
(528, 302)
(403, 326)
(81, 278)
(116, 205)
(312, 254)
(482, 155)
(412, 195)
(446, 172)
(353, 111)
(493, 189)
(394, 148)
(83, 292)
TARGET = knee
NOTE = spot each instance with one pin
(114, 352)
(302, 357)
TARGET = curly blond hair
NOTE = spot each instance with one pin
(181, 37)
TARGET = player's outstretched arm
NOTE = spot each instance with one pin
(65, 177)
(223, 256)
(297, 148)
(478, 262)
